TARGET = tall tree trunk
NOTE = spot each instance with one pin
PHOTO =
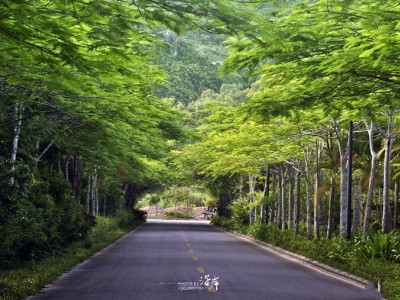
(273, 204)
(283, 174)
(307, 176)
(17, 130)
(290, 198)
(279, 202)
(331, 206)
(123, 197)
(297, 202)
(332, 156)
(371, 182)
(252, 184)
(317, 185)
(343, 194)
(349, 179)
(66, 169)
(386, 211)
(343, 180)
(94, 194)
(241, 186)
(88, 193)
(97, 193)
(266, 195)
(386, 217)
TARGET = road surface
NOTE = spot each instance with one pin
(194, 260)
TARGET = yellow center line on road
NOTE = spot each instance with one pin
(195, 258)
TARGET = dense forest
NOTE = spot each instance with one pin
(283, 112)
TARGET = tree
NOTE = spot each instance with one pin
(76, 85)
(319, 55)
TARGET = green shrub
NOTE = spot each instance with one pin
(384, 246)
(223, 222)
(42, 218)
(21, 281)
(375, 259)
(241, 212)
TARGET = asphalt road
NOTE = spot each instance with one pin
(194, 260)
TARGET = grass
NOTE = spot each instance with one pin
(21, 282)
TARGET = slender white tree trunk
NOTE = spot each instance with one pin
(371, 183)
(252, 184)
(297, 202)
(17, 130)
(343, 180)
(266, 206)
(94, 193)
(389, 139)
(307, 176)
(283, 196)
(123, 204)
(88, 193)
(317, 184)
(343, 194)
(387, 216)
(273, 204)
(290, 198)
(241, 187)
(329, 146)
(279, 202)
(66, 169)
(97, 194)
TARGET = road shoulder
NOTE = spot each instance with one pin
(307, 262)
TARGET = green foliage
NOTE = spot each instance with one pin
(192, 61)
(377, 246)
(381, 246)
(178, 195)
(76, 83)
(241, 212)
(20, 282)
(338, 252)
(223, 222)
(42, 222)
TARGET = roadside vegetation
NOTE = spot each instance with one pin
(29, 278)
(376, 259)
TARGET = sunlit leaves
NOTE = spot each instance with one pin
(90, 65)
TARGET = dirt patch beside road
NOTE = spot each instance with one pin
(196, 212)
